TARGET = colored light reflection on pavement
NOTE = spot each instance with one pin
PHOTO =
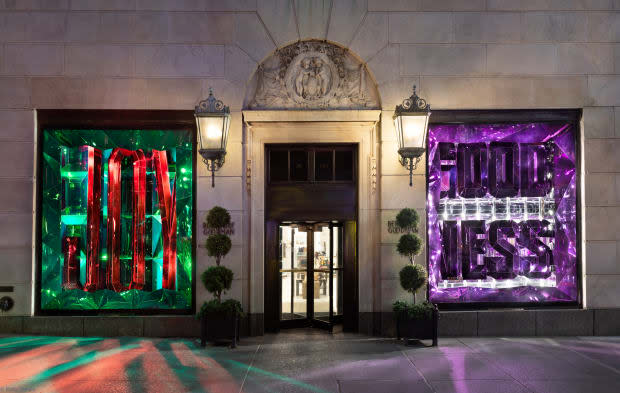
(320, 363)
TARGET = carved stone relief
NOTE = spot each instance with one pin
(312, 74)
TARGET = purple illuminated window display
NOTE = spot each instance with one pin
(502, 213)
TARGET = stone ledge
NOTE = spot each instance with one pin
(564, 322)
(607, 322)
(458, 323)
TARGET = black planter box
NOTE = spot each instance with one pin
(219, 327)
(420, 329)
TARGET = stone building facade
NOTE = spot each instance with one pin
(474, 54)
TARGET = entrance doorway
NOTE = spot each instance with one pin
(311, 274)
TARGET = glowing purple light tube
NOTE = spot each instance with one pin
(502, 213)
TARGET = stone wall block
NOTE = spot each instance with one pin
(560, 92)
(279, 18)
(345, 19)
(601, 155)
(173, 93)
(564, 323)
(55, 326)
(15, 92)
(477, 27)
(453, 5)
(165, 5)
(601, 189)
(607, 322)
(226, 193)
(393, 92)
(105, 5)
(390, 164)
(554, 26)
(171, 326)
(33, 59)
(16, 160)
(17, 230)
(106, 60)
(35, 5)
(46, 26)
(458, 324)
(602, 291)
(384, 65)
(602, 223)
(604, 27)
(312, 17)
(440, 59)
(604, 90)
(152, 27)
(17, 195)
(11, 325)
(250, 35)
(200, 27)
(394, 5)
(372, 35)
(19, 268)
(392, 196)
(17, 125)
(581, 58)
(13, 26)
(542, 5)
(110, 326)
(506, 323)
(598, 122)
(87, 93)
(239, 67)
(521, 59)
(420, 27)
(455, 92)
(231, 5)
(602, 257)
(180, 60)
(117, 27)
(83, 26)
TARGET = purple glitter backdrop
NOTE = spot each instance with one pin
(561, 139)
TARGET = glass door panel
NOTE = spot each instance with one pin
(293, 272)
(321, 273)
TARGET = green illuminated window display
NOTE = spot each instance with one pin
(116, 220)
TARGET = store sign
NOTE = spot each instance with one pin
(227, 230)
(116, 219)
(502, 213)
(393, 228)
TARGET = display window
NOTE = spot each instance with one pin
(502, 213)
(116, 219)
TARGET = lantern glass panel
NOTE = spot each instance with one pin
(413, 130)
(213, 130)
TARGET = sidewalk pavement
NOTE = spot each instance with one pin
(310, 361)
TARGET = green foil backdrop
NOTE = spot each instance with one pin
(57, 222)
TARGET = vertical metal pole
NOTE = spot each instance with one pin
(331, 274)
(410, 172)
(212, 174)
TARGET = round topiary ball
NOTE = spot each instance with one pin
(412, 277)
(217, 279)
(407, 218)
(409, 245)
(218, 245)
(218, 217)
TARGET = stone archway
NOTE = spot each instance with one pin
(312, 75)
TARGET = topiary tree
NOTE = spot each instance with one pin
(218, 279)
(412, 277)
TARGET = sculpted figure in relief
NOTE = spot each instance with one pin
(312, 74)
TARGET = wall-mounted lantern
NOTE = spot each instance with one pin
(213, 121)
(411, 122)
